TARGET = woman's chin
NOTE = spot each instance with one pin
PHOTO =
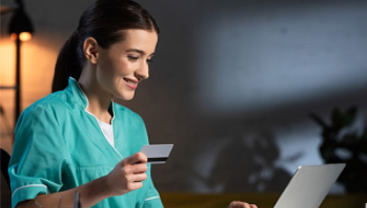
(125, 97)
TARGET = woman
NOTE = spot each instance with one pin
(77, 140)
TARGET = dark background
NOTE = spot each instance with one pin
(232, 84)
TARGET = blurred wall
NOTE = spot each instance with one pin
(232, 84)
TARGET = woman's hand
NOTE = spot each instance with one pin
(128, 175)
(239, 204)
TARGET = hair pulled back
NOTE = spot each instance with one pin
(104, 20)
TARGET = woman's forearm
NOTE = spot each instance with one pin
(128, 175)
(89, 194)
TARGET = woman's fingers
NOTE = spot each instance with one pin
(134, 186)
(139, 177)
(128, 174)
(135, 168)
(239, 204)
(136, 159)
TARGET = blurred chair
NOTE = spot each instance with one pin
(5, 182)
(5, 157)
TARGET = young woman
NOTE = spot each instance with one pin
(77, 139)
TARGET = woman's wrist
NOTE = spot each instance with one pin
(95, 191)
(105, 187)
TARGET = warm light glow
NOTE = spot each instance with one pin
(13, 36)
(37, 61)
(23, 36)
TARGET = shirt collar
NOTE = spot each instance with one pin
(77, 93)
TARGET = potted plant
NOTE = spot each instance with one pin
(341, 144)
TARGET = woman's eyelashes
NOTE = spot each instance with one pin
(135, 58)
(150, 59)
(132, 57)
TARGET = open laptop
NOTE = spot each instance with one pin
(309, 186)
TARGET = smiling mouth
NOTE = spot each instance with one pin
(133, 84)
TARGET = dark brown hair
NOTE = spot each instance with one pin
(104, 20)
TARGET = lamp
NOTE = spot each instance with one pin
(20, 25)
(20, 29)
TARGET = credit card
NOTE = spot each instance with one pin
(157, 153)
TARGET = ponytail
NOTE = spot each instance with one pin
(67, 64)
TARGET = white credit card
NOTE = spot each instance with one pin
(157, 153)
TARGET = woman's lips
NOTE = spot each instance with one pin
(133, 84)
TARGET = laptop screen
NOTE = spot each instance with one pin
(309, 186)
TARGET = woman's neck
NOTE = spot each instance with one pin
(99, 107)
(99, 101)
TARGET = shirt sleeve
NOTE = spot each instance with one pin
(38, 155)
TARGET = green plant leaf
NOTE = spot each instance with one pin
(349, 116)
(336, 119)
(318, 120)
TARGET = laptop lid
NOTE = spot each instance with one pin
(309, 186)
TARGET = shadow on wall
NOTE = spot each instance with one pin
(244, 150)
(248, 160)
(342, 142)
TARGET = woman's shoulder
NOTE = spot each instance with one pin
(55, 102)
(123, 111)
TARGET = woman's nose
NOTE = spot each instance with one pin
(143, 71)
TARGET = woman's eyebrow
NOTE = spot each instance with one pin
(136, 50)
(139, 51)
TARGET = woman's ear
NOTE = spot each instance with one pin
(90, 49)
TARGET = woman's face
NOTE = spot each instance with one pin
(122, 66)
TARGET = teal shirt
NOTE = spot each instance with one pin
(59, 146)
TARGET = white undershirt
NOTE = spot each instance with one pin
(107, 132)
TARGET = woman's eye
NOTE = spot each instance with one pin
(133, 58)
(149, 61)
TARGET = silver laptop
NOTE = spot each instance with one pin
(309, 186)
